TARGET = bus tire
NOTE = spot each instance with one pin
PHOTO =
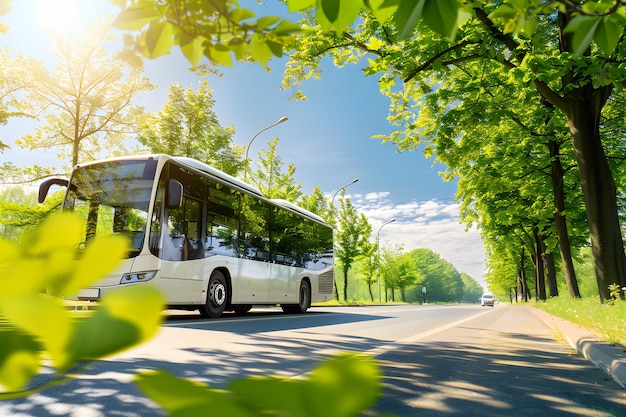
(217, 296)
(241, 309)
(304, 300)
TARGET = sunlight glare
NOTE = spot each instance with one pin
(57, 14)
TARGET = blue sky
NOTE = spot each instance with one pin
(327, 137)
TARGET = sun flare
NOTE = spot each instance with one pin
(57, 14)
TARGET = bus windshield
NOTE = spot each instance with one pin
(113, 197)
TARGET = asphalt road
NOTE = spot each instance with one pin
(436, 361)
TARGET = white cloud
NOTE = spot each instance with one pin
(428, 224)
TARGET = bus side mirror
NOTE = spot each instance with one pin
(174, 196)
(44, 187)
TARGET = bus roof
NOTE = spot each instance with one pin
(201, 166)
(296, 208)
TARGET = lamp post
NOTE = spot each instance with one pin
(378, 252)
(332, 202)
(281, 120)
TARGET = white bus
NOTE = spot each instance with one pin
(209, 241)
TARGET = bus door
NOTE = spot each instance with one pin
(182, 251)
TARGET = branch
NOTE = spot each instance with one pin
(430, 61)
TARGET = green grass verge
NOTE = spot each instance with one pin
(608, 321)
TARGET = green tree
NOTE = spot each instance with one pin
(87, 101)
(188, 126)
(270, 179)
(351, 237)
(20, 211)
(472, 289)
(547, 58)
(12, 82)
(442, 281)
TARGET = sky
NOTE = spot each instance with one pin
(327, 137)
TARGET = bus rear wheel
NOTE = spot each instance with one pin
(304, 300)
(217, 296)
(241, 309)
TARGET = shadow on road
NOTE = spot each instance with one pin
(504, 369)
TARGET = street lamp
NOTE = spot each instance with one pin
(332, 203)
(378, 252)
(281, 120)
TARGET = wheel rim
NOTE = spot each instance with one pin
(218, 293)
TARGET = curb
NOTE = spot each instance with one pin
(610, 358)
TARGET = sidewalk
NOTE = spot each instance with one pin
(609, 358)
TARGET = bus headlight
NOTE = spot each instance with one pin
(138, 277)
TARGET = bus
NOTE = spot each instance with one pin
(208, 241)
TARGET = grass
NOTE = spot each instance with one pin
(608, 321)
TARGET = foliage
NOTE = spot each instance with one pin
(188, 126)
(223, 29)
(344, 385)
(19, 210)
(472, 289)
(269, 177)
(86, 100)
(11, 83)
(35, 321)
(217, 30)
(351, 236)
(442, 281)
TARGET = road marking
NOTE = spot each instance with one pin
(414, 338)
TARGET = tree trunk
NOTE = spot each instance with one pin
(369, 287)
(560, 221)
(345, 284)
(598, 188)
(548, 260)
(522, 277)
(540, 278)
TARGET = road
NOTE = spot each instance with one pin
(462, 360)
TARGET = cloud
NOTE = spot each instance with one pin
(430, 224)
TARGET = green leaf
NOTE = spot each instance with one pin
(266, 22)
(297, 5)
(383, 9)
(192, 48)
(584, 29)
(408, 15)
(607, 35)
(346, 13)
(272, 395)
(101, 256)
(330, 8)
(159, 39)
(259, 49)
(347, 383)
(132, 315)
(442, 16)
(59, 232)
(220, 54)
(19, 358)
(137, 16)
(173, 393)
(44, 317)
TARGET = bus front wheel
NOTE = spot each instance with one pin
(217, 296)
(304, 300)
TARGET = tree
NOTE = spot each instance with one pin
(473, 290)
(188, 126)
(351, 236)
(12, 82)
(270, 179)
(86, 101)
(549, 58)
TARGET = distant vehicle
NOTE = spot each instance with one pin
(487, 300)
